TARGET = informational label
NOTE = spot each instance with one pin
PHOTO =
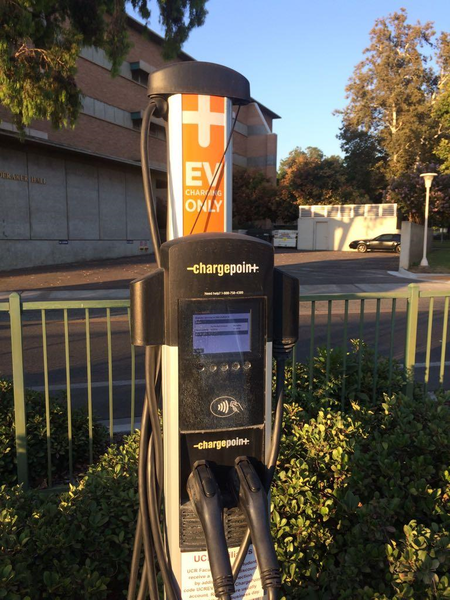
(203, 172)
(218, 333)
(24, 178)
(196, 581)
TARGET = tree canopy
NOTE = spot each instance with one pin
(408, 191)
(309, 177)
(256, 199)
(442, 105)
(394, 91)
(40, 41)
(364, 161)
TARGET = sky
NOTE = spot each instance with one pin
(299, 55)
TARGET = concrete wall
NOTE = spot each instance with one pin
(325, 233)
(412, 244)
(58, 209)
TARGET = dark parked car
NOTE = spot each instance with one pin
(389, 242)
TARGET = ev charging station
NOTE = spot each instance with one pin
(212, 317)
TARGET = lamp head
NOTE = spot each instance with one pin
(428, 178)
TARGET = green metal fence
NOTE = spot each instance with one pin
(401, 325)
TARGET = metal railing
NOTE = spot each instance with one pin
(398, 325)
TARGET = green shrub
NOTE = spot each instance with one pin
(354, 493)
(358, 382)
(37, 437)
(361, 504)
(78, 545)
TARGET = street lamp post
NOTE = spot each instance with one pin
(428, 179)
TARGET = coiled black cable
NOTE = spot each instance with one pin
(150, 202)
(272, 593)
(150, 428)
(272, 460)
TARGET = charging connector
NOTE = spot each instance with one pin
(251, 498)
(207, 500)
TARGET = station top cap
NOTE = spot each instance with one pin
(194, 77)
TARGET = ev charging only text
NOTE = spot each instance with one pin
(194, 178)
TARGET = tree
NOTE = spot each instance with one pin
(408, 191)
(309, 177)
(255, 199)
(442, 105)
(40, 41)
(364, 161)
(392, 92)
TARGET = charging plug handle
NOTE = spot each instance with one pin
(251, 498)
(207, 500)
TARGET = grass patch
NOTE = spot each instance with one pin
(438, 259)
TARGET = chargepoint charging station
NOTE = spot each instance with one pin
(212, 317)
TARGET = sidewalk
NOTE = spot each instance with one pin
(305, 290)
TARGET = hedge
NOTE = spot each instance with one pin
(37, 438)
(361, 503)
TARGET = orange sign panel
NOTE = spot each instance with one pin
(203, 172)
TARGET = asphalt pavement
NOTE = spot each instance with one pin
(318, 272)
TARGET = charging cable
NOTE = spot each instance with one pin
(252, 500)
(206, 498)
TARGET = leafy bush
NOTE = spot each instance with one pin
(361, 503)
(78, 545)
(362, 500)
(37, 437)
(360, 382)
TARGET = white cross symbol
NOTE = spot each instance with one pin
(204, 118)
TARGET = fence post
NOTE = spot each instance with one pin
(15, 315)
(411, 335)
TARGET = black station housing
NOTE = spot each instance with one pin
(195, 77)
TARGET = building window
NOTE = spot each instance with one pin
(158, 131)
(139, 76)
(136, 119)
(140, 71)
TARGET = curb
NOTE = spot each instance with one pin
(425, 277)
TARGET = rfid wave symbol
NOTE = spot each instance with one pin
(225, 406)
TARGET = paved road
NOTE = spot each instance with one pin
(318, 272)
(312, 268)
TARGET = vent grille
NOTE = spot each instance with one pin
(346, 211)
(388, 210)
(333, 211)
(191, 532)
(338, 211)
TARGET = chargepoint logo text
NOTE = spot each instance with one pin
(223, 269)
(219, 444)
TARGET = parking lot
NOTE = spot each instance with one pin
(312, 268)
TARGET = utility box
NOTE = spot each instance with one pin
(284, 239)
(334, 227)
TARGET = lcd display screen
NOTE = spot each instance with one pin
(221, 333)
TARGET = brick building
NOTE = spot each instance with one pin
(76, 194)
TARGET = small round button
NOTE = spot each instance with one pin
(213, 368)
(247, 365)
(200, 367)
(224, 367)
(235, 366)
